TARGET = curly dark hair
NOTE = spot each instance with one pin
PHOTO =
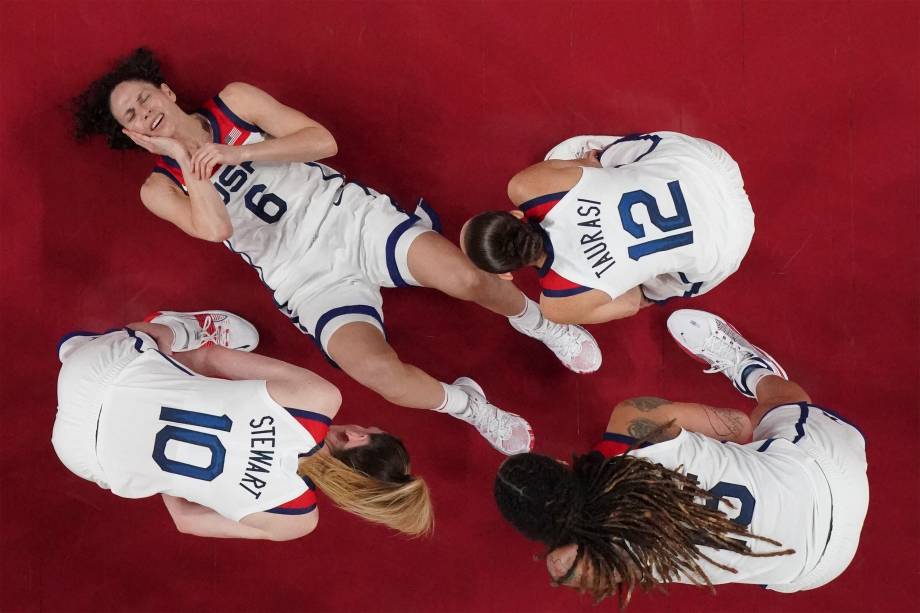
(91, 111)
(635, 523)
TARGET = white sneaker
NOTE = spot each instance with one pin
(507, 432)
(573, 345)
(713, 341)
(203, 328)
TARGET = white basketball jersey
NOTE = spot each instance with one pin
(620, 226)
(222, 444)
(277, 208)
(779, 492)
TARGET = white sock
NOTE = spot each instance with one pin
(181, 336)
(531, 317)
(753, 378)
(456, 401)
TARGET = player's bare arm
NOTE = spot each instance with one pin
(198, 520)
(297, 138)
(660, 419)
(593, 307)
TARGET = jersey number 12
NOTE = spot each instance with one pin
(681, 219)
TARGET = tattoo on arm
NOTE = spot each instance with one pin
(648, 403)
(725, 422)
(650, 431)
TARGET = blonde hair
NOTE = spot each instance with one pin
(404, 507)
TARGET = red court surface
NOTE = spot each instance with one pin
(819, 102)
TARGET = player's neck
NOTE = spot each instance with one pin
(193, 132)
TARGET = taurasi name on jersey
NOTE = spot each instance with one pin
(594, 241)
(260, 460)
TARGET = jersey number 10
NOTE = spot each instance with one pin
(681, 219)
(191, 437)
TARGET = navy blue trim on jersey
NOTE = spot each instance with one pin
(694, 287)
(280, 511)
(800, 425)
(322, 168)
(838, 417)
(138, 341)
(312, 451)
(171, 162)
(766, 444)
(392, 240)
(167, 174)
(541, 200)
(565, 293)
(547, 248)
(658, 302)
(71, 335)
(323, 419)
(240, 123)
(435, 218)
(215, 127)
(174, 363)
(626, 440)
(654, 138)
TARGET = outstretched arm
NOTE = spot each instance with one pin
(641, 417)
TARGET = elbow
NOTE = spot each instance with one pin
(330, 147)
(218, 234)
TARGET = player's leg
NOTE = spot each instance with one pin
(288, 385)
(361, 350)
(435, 262)
(773, 391)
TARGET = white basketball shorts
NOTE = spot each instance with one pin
(840, 451)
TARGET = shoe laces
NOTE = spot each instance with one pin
(214, 333)
(563, 339)
(724, 352)
(489, 419)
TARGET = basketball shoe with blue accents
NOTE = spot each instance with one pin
(713, 341)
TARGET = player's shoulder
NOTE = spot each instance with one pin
(238, 89)
(542, 179)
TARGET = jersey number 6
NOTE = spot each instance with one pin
(681, 219)
(191, 437)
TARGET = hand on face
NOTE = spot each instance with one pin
(158, 145)
(213, 154)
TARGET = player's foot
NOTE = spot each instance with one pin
(713, 341)
(205, 328)
(573, 345)
(507, 432)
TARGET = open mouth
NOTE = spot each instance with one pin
(156, 122)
